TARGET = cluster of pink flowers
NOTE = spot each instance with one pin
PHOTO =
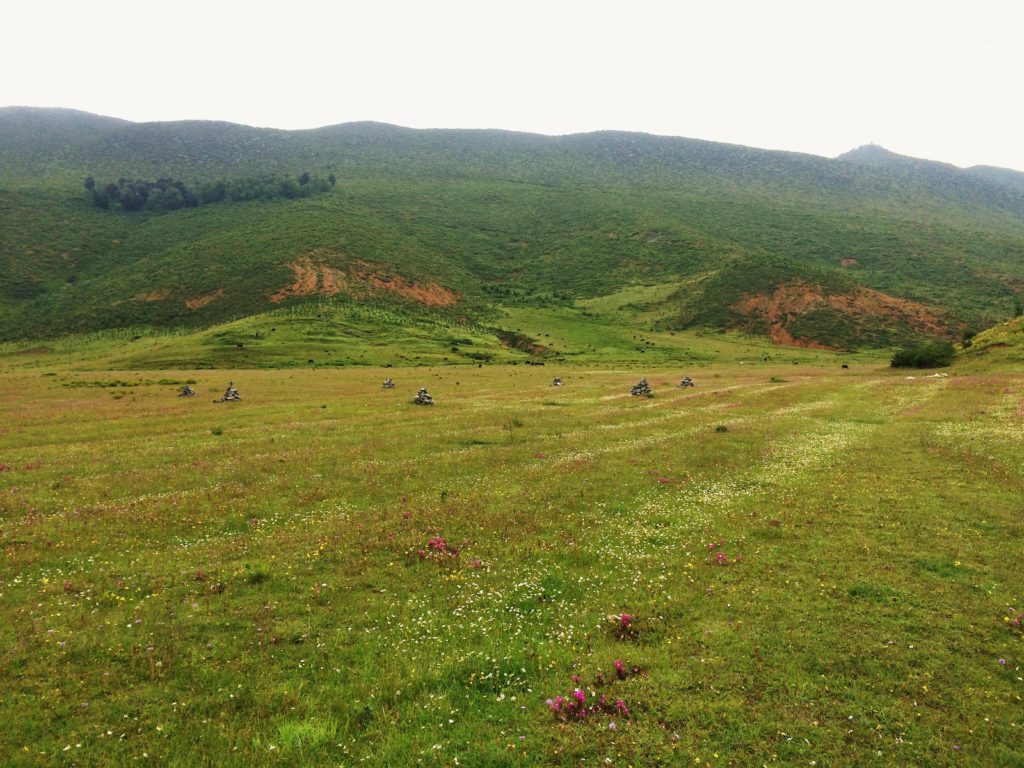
(438, 549)
(720, 557)
(1015, 621)
(575, 707)
(621, 672)
(622, 625)
(12, 468)
(438, 544)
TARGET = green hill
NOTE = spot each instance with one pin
(998, 345)
(458, 226)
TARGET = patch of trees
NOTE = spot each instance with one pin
(934, 354)
(169, 194)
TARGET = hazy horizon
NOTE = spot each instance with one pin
(498, 128)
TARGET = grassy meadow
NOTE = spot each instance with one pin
(792, 564)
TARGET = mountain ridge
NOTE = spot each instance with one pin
(864, 153)
(495, 217)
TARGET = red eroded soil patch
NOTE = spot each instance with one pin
(311, 278)
(316, 276)
(202, 300)
(158, 295)
(848, 262)
(789, 301)
(428, 294)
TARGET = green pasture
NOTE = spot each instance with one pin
(821, 566)
(340, 333)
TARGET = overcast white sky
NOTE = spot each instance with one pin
(940, 80)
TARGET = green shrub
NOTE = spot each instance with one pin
(934, 354)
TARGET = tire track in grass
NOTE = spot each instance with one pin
(485, 484)
(655, 439)
(636, 548)
(677, 520)
(994, 436)
(507, 623)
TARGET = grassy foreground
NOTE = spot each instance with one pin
(819, 566)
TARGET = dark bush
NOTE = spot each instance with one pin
(934, 354)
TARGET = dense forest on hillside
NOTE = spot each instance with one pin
(169, 195)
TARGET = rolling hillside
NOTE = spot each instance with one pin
(1000, 344)
(459, 227)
